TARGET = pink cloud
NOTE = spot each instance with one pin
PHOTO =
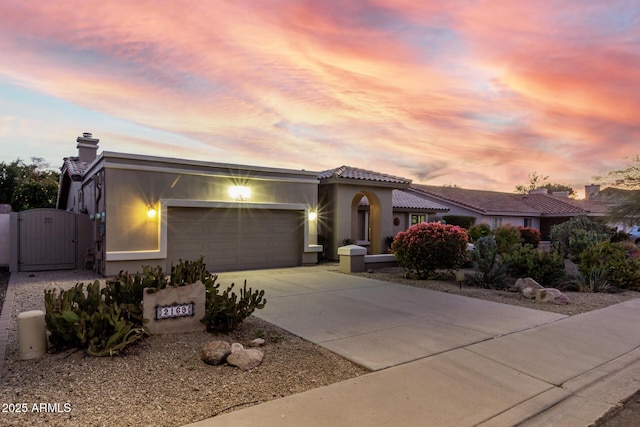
(474, 91)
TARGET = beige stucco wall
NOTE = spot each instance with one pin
(339, 207)
(133, 183)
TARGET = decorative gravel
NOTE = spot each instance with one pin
(579, 302)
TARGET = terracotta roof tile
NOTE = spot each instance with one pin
(73, 167)
(404, 200)
(498, 202)
(348, 172)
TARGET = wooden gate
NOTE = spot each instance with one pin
(46, 240)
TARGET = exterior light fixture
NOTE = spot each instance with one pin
(239, 193)
(151, 212)
(313, 215)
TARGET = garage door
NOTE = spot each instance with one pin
(235, 239)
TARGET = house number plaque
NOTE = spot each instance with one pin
(173, 311)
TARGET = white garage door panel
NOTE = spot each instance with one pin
(235, 239)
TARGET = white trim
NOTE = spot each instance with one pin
(165, 204)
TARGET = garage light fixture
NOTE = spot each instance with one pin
(313, 215)
(239, 193)
(151, 212)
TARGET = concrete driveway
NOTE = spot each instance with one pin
(379, 324)
(441, 359)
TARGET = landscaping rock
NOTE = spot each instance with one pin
(527, 286)
(236, 346)
(258, 342)
(246, 359)
(551, 295)
(215, 352)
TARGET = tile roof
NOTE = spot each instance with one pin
(73, 167)
(493, 202)
(348, 172)
(404, 200)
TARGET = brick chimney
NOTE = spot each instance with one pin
(87, 147)
(591, 191)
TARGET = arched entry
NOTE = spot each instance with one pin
(373, 227)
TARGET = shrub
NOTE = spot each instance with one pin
(507, 236)
(578, 233)
(105, 321)
(491, 273)
(530, 236)
(592, 279)
(80, 320)
(224, 312)
(462, 221)
(479, 230)
(619, 263)
(426, 247)
(545, 267)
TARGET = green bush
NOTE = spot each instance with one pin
(592, 279)
(426, 247)
(545, 267)
(84, 320)
(104, 321)
(619, 263)
(224, 312)
(478, 230)
(507, 236)
(491, 273)
(578, 233)
(462, 221)
(530, 236)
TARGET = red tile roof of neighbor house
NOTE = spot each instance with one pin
(403, 200)
(348, 172)
(491, 202)
(73, 167)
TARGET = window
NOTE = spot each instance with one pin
(496, 222)
(417, 219)
(528, 222)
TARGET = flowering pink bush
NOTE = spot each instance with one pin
(426, 247)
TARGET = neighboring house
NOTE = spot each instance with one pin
(610, 197)
(536, 209)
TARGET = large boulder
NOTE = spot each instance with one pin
(245, 359)
(215, 352)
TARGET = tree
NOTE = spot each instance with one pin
(28, 186)
(628, 209)
(539, 181)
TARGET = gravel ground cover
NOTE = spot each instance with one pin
(580, 302)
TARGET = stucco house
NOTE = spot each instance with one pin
(148, 210)
(537, 209)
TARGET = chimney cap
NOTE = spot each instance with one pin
(87, 134)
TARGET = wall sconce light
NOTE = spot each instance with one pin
(239, 193)
(151, 212)
(313, 215)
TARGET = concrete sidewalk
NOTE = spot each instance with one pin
(443, 360)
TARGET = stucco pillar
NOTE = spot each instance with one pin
(351, 258)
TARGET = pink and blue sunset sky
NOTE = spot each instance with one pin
(472, 93)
